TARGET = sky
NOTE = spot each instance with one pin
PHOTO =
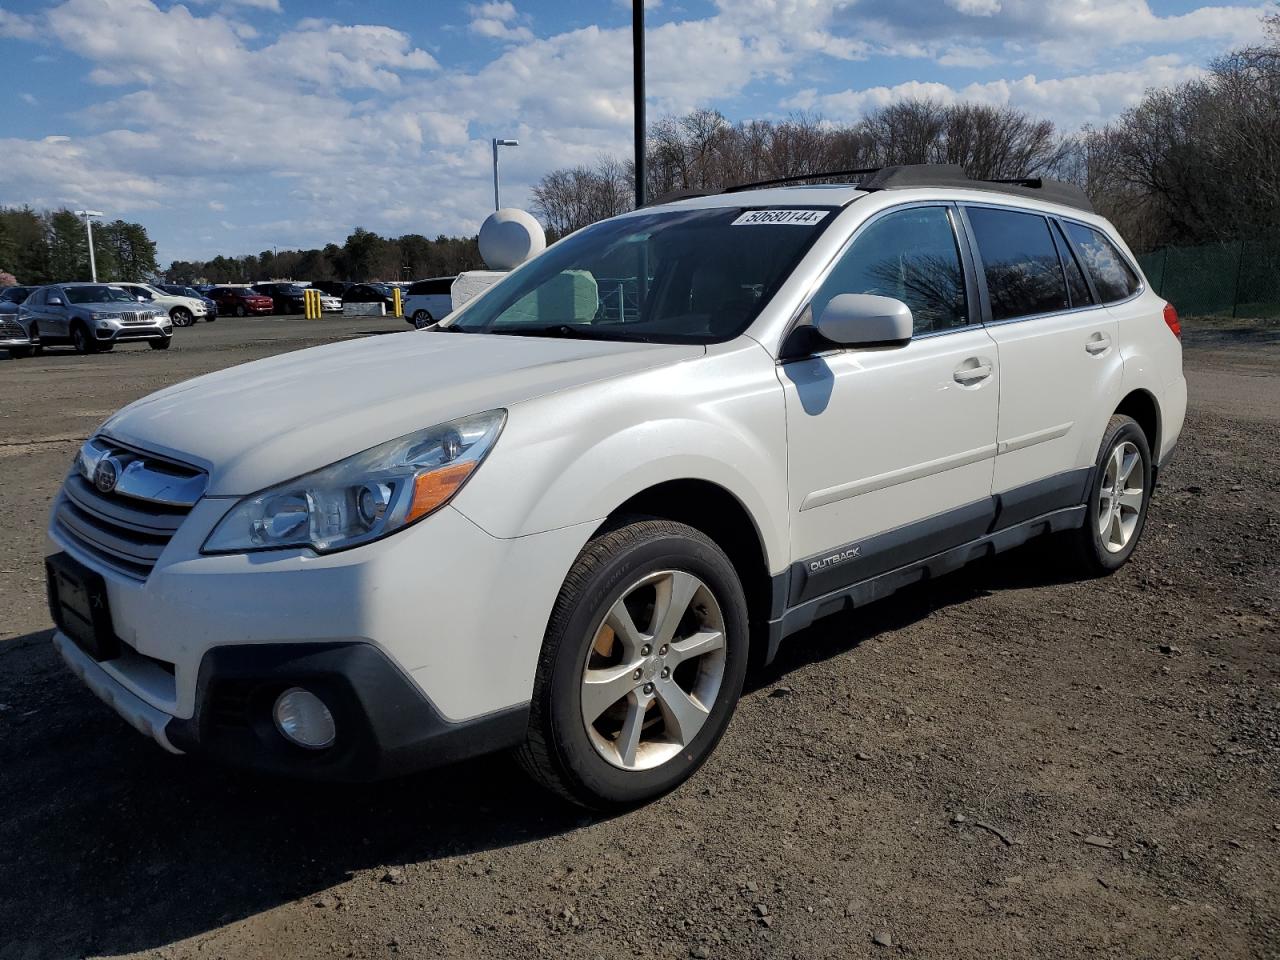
(232, 126)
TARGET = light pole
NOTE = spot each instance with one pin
(88, 227)
(637, 93)
(497, 205)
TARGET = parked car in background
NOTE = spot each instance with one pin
(334, 288)
(287, 297)
(94, 317)
(241, 301)
(329, 303)
(210, 305)
(370, 293)
(182, 310)
(15, 332)
(428, 301)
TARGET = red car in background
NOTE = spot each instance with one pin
(240, 301)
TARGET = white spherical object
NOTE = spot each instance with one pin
(509, 237)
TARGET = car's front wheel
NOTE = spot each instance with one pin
(81, 340)
(159, 344)
(241, 311)
(422, 319)
(641, 668)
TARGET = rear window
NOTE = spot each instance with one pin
(1112, 276)
(1020, 262)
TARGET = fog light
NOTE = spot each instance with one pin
(304, 719)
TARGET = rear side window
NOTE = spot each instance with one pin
(1076, 285)
(912, 256)
(1112, 276)
(419, 289)
(1020, 262)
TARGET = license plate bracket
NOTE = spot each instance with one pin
(78, 605)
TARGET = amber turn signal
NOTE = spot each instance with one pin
(433, 489)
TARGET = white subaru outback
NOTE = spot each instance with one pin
(566, 519)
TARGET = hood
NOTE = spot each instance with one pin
(113, 306)
(265, 422)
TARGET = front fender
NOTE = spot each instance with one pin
(575, 456)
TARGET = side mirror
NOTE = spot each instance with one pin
(142, 299)
(863, 319)
(55, 301)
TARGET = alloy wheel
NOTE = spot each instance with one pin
(654, 670)
(1120, 497)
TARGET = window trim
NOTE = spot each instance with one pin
(1062, 243)
(959, 234)
(986, 303)
(1142, 279)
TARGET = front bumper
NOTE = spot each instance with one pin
(113, 331)
(385, 726)
(440, 625)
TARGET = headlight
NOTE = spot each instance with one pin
(106, 316)
(363, 497)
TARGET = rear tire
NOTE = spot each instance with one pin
(1118, 499)
(181, 317)
(159, 344)
(649, 637)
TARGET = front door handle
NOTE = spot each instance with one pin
(973, 371)
(1098, 344)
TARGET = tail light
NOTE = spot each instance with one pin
(1171, 320)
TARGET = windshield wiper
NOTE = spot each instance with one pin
(569, 331)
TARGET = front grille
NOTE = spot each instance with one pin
(142, 316)
(127, 525)
(11, 328)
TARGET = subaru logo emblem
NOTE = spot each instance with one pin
(106, 474)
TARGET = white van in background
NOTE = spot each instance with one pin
(428, 301)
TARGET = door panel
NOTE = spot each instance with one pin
(881, 438)
(1059, 356)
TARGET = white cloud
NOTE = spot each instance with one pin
(976, 8)
(16, 26)
(1068, 101)
(272, 6)
(497, 21)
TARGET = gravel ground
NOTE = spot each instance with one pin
(1004, 763)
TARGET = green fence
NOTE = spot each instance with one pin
(1240, 279)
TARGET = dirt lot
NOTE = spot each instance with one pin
(1000, 764)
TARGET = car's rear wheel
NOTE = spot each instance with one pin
(81, 340)
(421, 318)
(641, 668)
(1118, 500)
(181, 317)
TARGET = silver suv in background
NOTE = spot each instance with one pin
(93, 317)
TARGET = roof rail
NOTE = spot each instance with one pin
(918, 175)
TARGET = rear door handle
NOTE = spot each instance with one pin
(1098, 344)
(974, 371)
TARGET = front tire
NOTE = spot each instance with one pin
(1118, 499)
(81, 340)
(241, 311)
(641, 667)
(159, 344)
(422, 318)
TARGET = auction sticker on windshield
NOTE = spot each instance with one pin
(794, 218)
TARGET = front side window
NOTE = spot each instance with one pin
(673, 276)
(1112, 276)
(1021, 265)
(910, 255)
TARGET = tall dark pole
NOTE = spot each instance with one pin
(637, 81)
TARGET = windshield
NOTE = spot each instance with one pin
(688, 276)
(98, 294)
